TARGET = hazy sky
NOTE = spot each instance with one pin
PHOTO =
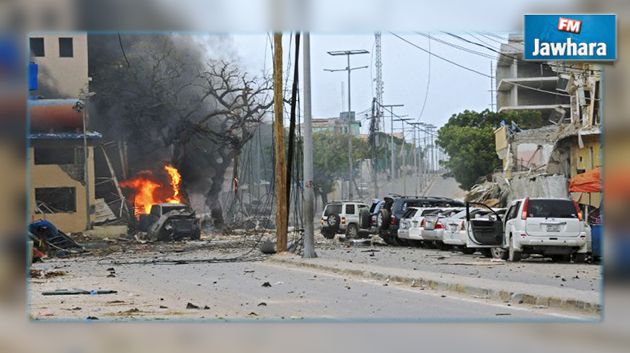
(405, 73)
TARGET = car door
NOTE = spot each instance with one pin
(510, 218)
(351, 214)
(486, 232)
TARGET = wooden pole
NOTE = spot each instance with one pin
(280, 165)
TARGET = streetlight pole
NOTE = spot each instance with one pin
(402, 151)
(347, 53)
(309, 213)
(391, 136)
(415, 155)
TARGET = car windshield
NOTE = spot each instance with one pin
(332, 209)
(551, 208)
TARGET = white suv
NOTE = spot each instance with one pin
(345, 217)
(411, 223)
(552, 227)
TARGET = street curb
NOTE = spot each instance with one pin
(489, 289)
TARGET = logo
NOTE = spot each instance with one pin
(570, 37)
(569, 25)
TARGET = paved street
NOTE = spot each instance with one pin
(237, 291)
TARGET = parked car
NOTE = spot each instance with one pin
(551, 227)
(170, 221)
(395, 206)
(456, 228)
(411, 224)
(345, 217)
(433, 227)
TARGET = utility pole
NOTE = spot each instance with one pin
(391, 137)
(280, 165)
(347, 53)
(415, 156)
(377, 111)
(373, 141)
(491, 87)
(402, 151)
(309, 214)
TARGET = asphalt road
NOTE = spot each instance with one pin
(235, 291)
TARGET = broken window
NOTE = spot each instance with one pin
(47, 155)
(65, 48)
(37, 46)
(56, 200)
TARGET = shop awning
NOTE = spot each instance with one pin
(589, 181)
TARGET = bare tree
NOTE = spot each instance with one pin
(171, 102)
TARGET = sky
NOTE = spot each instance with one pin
(406, 70)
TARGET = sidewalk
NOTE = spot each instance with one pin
(568, 299)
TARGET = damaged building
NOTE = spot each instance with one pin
(542, 162)
(61, 150)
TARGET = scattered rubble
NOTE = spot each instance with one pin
(46, 274)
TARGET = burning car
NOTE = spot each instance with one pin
(170, 221)
(159, 206)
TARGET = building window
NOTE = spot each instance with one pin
(65, 48)
(65, 155)
(56, 200)
(37, 46)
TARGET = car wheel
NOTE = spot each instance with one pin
(328, 235)
(352, 232)
(579, 258)
(196, 234)
(365, 219)
(468, 251)
(391, 241)
(559, 258)
(442, 246)
(513, 255)
(498, 253)
(384, 219)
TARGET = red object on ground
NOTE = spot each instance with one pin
(589, 181)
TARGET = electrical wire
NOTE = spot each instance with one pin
(426, 93)
(440, 57)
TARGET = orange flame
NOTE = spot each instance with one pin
(175, 180)
(148, 190)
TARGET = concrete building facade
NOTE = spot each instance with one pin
(63, 64)
(337, 125)
(520, 84)
(58, 164)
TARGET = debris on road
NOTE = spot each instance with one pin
(266, 284)
(52, 241)
(76, 291)
(191, 306)
(46, 274)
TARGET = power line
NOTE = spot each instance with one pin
(488, 56)
(440, 57)
(426, 93)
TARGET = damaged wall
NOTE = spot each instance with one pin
(538, 186)
(54, 176)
